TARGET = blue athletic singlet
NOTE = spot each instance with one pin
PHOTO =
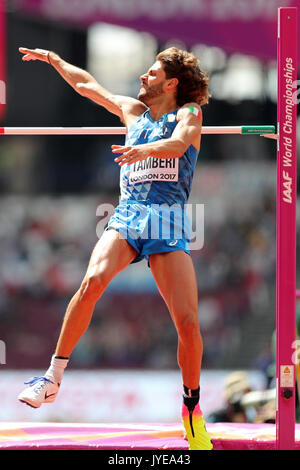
(157, 180)
(151, 213)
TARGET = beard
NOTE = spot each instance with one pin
(146, 95)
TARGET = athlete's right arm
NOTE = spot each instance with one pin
(127, 108)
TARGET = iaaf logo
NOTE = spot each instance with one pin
(156, 222)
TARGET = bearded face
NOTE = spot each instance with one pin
(148, 93)
(152, 84)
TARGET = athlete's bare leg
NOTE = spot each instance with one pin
(111, 255)
(176, 280)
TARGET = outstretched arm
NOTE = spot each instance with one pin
(85, 84)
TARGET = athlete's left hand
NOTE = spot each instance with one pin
(130, 154)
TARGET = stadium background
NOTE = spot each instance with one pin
(51, 188)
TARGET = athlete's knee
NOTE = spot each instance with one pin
(92, 286)
(188, 326)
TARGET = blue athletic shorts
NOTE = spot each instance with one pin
(152, 228)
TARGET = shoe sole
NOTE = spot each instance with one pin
(35, 404)
(31, 404)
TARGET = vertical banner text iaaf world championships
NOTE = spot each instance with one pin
(287, 112)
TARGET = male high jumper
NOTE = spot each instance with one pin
(156, 170)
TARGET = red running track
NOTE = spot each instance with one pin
(72, 436)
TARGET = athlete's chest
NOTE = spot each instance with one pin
(146, 130)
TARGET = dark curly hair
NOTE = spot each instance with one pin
(193, 82)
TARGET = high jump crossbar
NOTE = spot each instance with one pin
(266, 131)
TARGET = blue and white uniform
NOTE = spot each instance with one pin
(151, 214)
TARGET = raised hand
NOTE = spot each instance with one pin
(130, 154)
(35, 54)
